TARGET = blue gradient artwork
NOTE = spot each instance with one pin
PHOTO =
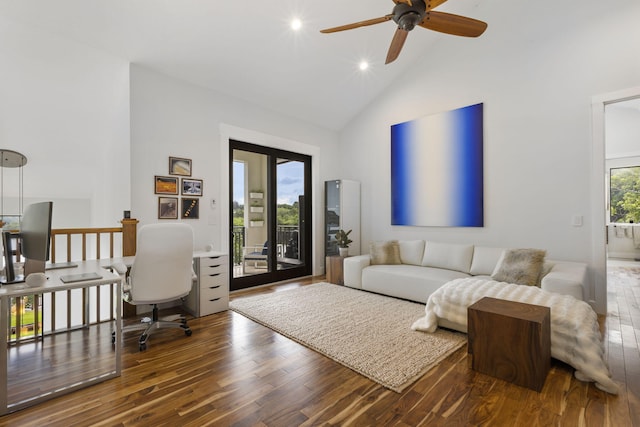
(437, 170)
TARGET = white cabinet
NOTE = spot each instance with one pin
(210, 291)
(342, 211)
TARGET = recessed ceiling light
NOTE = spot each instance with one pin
(296, 24)
(363, 65)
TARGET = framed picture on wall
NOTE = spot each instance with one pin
(165, 185)
(178, 166)
(191, 187)
(190, 208)
(167, 208)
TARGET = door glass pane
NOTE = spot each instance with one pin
(290, 217)
(250, 255)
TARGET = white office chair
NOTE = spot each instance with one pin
(162, 271)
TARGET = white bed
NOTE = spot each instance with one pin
(575, 334)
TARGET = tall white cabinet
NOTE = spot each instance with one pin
(342, 211)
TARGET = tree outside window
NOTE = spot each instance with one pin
(624, 193)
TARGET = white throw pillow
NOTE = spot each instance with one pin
(485, 260)
(411, 251)
(450, 256)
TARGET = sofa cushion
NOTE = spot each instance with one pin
(410, 282)
(411, 251)
(385, 252)
(485, 260)
(520, 266)
(451, 256)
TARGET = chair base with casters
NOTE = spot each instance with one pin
(154, 323)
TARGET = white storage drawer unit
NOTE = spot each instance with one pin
(210, 292)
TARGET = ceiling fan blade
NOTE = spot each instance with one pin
(358, 24)
(431, 4)
(396, 45)
(453, 24)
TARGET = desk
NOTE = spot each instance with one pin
(12, 400)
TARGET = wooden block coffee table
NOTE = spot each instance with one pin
(510, 340)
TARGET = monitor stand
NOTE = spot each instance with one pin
(33, 266)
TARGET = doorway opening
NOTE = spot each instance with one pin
(622, 179)
(270, 239)
(603, 129)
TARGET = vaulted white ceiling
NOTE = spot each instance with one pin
(247, 49)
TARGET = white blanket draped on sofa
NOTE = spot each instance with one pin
(575, 335)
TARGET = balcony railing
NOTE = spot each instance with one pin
(287, 242)
(50, 313)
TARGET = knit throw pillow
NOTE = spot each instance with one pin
(520, 266)
(385, 252)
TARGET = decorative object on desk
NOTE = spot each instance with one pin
(11, 159)
(190, 208)
(344, 241)
(166, 185)
(35, 280)
(126, 215)
(167, 208)
(179, 166)
(191, 187)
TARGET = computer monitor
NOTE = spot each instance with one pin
(35, 235)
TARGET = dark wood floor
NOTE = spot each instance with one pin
(232, 371)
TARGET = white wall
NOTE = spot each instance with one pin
(537, 87)
(174, 118)
(622, 130)
(66, 108)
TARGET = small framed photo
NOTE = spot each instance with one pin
(178, 166)
(166, 185)
(167, 208)
(191, 187)
(190, 208)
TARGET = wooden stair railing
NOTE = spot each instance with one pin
(91, 240)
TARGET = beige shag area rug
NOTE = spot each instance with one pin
(365, 332)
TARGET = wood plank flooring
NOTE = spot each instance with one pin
(234, 372)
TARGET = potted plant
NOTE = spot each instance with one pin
(343, 240)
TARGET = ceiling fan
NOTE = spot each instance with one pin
(409, 13)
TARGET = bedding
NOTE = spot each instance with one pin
(575, 335)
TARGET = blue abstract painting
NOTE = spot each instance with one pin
(437, 170)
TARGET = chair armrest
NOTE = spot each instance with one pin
(120, 267)
(568, 278)
(353, 267)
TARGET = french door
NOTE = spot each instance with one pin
(270, 234)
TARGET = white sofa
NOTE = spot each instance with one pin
(426, 266)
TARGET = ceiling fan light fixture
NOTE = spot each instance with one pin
(407, 16)
(409, 20)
